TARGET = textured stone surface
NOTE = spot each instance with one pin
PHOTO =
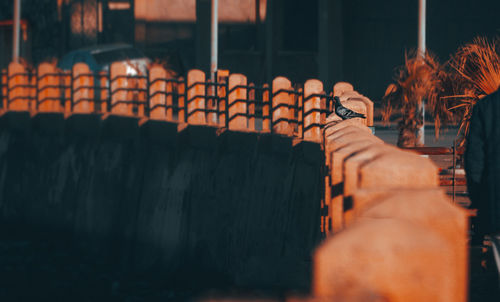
(433, 209)
(336, 204)
(352, 164)
(396, 259)
(398, 170)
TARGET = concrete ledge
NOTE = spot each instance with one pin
(119, 126)
(162, 132)
(48, 123)
(83, 124)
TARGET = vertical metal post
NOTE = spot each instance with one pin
(269, 41)
(421, 54)
(17, 31)
(214, 36)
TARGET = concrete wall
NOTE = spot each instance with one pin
(209, 207)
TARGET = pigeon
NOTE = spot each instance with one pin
(345, 113)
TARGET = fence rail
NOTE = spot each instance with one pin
(231, 102)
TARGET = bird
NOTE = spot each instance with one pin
(345, 113)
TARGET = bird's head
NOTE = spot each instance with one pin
(336, 99)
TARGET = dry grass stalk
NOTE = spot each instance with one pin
(475, 73)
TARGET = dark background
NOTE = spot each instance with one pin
(358, 41)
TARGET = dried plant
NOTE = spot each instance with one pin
(474, 73)
(417, 80)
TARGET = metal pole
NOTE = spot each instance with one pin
(213, 53)
(421, 54)
(17, 30)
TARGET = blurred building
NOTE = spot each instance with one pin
(359, 41)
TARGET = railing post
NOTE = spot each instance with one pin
(300, 113)
(222, 100)
(104, 81)
(118, 82)
(181, 100)
(157, 90)
(266, 106)
(312, 115)
(281, 103)
(48, 89)
(83, 93)
(341, 87)
(196, 97)
(140, 95)
(237, 102)
(4, 88)
(251, 107)
(18, 96)
(67, 82)
(211, 103)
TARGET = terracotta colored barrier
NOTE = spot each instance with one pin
(353, 163)
(312, 119)
(355, 96)
(398, 170)
(104, 86)
(251, 107)
(340, 134)
(83, 93)
(120, 104)
(3, 80)
(429, 208)
(336, 205)
(67, 81)
(181, 91)
(196, 97)
(237, 102)
(19, 93)
(280, 102)
(396, 259)
(342, 87)
(334, 124)
(159, 93)
(356, 105)
(266, 109)
(49, 93)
